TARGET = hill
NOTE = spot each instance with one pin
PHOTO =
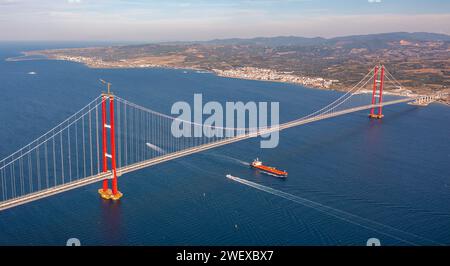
(420, 60)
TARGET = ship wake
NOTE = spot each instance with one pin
(400, 235)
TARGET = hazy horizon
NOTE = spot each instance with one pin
(187, 41)
(139, 21)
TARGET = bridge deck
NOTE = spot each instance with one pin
(167, 157)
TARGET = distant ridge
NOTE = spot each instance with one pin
(306, 41)
(271, 41)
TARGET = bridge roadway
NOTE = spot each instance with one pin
(171, 156)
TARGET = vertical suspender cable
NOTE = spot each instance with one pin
(38, 168)
(54, 160)
(84, 148)
(76, 150)
(62, 157)
(69, 154)
(46, 163)
(96, 133)
(90, 143)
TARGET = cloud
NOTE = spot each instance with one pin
(8, 2)
(139, 20)
(374, 1)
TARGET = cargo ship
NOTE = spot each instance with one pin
(267, 169)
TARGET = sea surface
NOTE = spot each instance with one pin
(350, 178)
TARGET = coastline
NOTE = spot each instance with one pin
(316, 83)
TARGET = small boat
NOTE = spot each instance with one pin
(268, 169)
(32, 73)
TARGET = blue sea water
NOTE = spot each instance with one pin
(394, 172)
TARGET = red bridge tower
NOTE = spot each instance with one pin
(378, 83)
(105, 192)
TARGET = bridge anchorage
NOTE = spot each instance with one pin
(111, 136)
(426, 100)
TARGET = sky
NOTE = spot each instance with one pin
(187, 20)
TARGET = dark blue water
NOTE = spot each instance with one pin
(395, 172)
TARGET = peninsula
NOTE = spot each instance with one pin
(420, 61)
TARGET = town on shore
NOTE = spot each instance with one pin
(254, 73)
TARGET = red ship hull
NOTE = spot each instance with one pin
(270, 170)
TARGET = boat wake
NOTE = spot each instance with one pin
(406, 237)
(229, 159)
(155, 148)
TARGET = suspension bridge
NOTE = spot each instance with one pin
(110, 137)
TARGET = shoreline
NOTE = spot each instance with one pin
(237, 73)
